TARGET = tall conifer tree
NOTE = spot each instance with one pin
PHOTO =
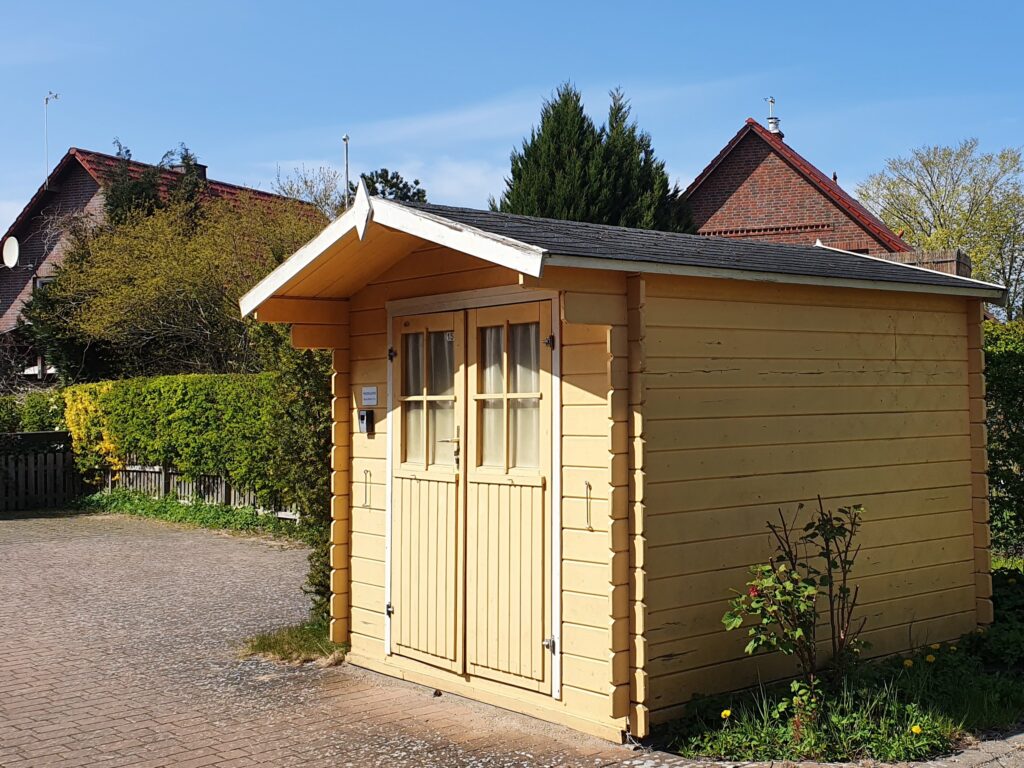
(570, 169)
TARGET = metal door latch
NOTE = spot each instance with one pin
(389, 609)
(550, 341)
(549, 643)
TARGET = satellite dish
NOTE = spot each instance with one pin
(11, 252)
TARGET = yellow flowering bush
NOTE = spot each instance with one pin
(94, 447)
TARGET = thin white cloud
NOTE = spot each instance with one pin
(502, 118)
(452, 181)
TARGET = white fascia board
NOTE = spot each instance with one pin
(504, 251)
(354, 218)
(980, 283)
(653, 267)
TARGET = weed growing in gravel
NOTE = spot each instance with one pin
(298, 643)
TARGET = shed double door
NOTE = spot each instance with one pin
(471, 464)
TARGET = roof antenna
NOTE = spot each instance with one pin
(51, 96)
(773, 121)
(345, 139)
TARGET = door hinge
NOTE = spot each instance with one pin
(549, 643)
(389, 609)
(392, 354)
(550, 341)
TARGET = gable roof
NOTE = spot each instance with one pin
(101, 167)
(527, 244)
(830, 189)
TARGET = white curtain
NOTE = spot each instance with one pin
(524, 360)
(492, 381)
(441, 381)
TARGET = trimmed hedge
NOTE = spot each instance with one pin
(1004, 377)
(10, 414)
(42, 411)
(201, 424)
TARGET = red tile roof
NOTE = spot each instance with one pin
(102, 166)
(801, 165)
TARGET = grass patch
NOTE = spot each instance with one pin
(897, 709)
(1010, 562)
(298, 643)
(198, 513)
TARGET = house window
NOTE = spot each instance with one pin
(41, 282)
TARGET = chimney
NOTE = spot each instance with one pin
(773, 121)
(200, 170)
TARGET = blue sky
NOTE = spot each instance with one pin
(442, 91)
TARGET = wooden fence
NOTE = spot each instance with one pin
(37, 471)
(167, 481)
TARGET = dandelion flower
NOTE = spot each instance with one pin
(916, 730)
(908, 663)
(726, 714)
(952, 647)
(935, 646)
(930, 659)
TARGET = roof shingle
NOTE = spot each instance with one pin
(598, 241)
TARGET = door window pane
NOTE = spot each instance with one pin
(524, 357)
(491, 347)
(525, 434)
(441, 423)
(412, 415)
(442, 363)
(492, 433)
(412, 367)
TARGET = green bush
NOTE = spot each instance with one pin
(268, 433)
(10, 417)
(42, 411)
(1004, 374)
(216, 424)
(894, 709)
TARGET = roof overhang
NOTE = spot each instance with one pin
(990, 292)
(368, 238)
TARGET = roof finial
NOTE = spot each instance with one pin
(773, 121)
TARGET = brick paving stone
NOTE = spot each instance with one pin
(118, 647)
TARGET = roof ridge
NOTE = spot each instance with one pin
(839, 196)
(607, 227)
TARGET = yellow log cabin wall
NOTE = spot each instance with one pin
(595, 678)
(750, 397)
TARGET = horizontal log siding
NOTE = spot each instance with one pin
(595, 574)
(759, 396)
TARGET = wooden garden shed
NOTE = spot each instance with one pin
(556, 446)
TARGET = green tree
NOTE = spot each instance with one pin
(1004, 378)
(391, 185)
(158, 293)
(130, 190)
(571, 169)
(324, 187)
(958, 197)
(127, 192)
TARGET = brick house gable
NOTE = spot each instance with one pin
(759, 188)
(75, 186)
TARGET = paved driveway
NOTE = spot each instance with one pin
(118, 646)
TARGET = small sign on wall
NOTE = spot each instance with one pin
(369, 397)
